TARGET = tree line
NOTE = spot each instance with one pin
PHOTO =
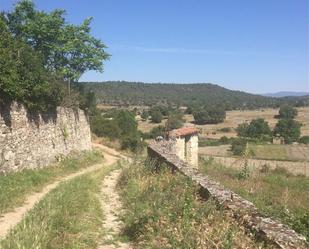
(124, 93)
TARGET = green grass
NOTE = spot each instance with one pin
(269, 151)
(165, 210)
(276, 193)
(14, 187)
(70, 216)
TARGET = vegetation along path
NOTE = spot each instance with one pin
(10, 219)
(112, 207)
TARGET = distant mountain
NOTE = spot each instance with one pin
(198, 94)
(286, 94)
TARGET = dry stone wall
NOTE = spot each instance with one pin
(32, 141)
(241, 209)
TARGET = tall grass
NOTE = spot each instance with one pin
(165, 210)
(14, 187)
(70, 216)
(275, 192)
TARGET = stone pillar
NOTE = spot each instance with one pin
(192, 151)
(179, 148)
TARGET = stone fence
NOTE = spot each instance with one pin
(30, 140)
(266, 228)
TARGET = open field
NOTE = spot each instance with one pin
(146, 126)
(275, 192)
(234, 118)
(284, 152)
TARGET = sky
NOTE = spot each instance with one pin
(258, 46)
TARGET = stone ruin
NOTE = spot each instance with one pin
(185, 144)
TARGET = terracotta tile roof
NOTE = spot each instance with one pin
(185, 131)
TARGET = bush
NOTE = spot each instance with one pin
(258, 128)
(105, 128)
(132, 143)
(155, 132)
(209, 116)
(287, 112)
(225, 129)
(304, 140)
(238, 146)
(224, 140)
(175, 121)
(145, 115)
(213, 142)
(289, 129)
(120, 124)
(156, 117)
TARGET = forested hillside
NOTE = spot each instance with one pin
(137, 93)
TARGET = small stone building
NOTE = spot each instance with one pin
(186, 144)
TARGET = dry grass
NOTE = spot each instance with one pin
(165, 211)
(70, 216)
(276, 193)
(16, 186)
(146, 126)
(282, 152)
(234, 118)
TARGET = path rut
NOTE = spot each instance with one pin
(10, 219)
(112, 207)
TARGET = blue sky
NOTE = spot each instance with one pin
(251, 45)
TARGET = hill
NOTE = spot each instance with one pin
(138, 93)
(286, 94)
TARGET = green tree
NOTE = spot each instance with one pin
(289, 129)
(126, 122)
(67, 50)
(145, 115)
(242, 130)
(258, 128)
(211, 115)
(156, 116)
(23, 77)
(287, 112)
(174, 121)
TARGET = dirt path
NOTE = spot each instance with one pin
(112, 208)
(9, 220)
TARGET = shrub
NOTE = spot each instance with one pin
(145, 115)
(156, 117)
(304, 140)
(155, 132)
(258, 128)
(175, 121)
(287, 112)
(209, 116)
(225, 129)
(238, 146)
(289, 129)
